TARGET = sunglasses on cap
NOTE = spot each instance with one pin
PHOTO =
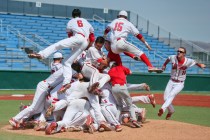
(180, 51)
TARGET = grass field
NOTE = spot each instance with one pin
(193, 115)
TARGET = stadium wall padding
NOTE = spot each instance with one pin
(29, 80)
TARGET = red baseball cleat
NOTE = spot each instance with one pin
(152, 100)
(15, 124)
(118, 128)
(153, 69)
(168, 116)
(160, 113)
(106, 126)
(50, 128)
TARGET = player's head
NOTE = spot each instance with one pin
(99, 42)
(57, 57)
(123, 14)
(76, 13)
(107, 44)
(181, 52)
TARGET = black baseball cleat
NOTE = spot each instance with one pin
(35, 55)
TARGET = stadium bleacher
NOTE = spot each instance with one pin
(54, 29)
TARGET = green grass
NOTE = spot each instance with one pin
(10, 92)
(205, 93)
(193, 115)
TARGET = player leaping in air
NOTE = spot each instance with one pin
(80, 33)
(120, 28)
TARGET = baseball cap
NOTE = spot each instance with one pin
(123, 13)
(57, 55)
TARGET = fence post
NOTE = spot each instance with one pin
(1, 25)
(169, 38)
(158, 32)
(148, 26)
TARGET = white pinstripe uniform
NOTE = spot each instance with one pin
(120, 28)
(108, 105)
(40, 95)
(176, 83)
(89, 69)
(81, 29)
(76, 91)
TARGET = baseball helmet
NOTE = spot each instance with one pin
(76, 13)
(58, 55)
(123, 13)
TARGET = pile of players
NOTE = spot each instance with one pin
(89, 91)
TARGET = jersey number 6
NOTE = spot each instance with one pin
(118, 26)
(79, 23)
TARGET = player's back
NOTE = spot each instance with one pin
(121, 27)
(80, 25)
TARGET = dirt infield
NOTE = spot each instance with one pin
(152, 130)
(180, 100)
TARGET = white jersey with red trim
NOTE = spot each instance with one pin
(178, 71)
(121, 27)
(79, 25)
(93, 55)
(55, 67)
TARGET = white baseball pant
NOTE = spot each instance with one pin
(38, 102)
(75, 114)
(124, 46)
(94, 75)
(172, 89)
(77, 42)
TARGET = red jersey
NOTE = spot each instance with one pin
(118, 74)
(114, 57)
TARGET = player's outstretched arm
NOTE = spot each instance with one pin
(165, 63)
(141, 38)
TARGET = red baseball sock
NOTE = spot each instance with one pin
(145, 59)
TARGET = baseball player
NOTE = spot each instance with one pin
(57, 62)
(119, 89)
(79, 31)
(180, 64)
(79, 90)
(120, 28)
(41, 92)
(94, 58)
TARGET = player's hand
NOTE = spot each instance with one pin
(202, 66)
(149, 47)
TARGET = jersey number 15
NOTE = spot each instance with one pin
(118, 26)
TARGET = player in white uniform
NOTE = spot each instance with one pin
(94, 58)
(79, 90)
(39, 97)
(120, 28)
(178, 75)
(79, 31)
(57, 62)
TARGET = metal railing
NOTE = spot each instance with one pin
(25, 42)
(169, 38)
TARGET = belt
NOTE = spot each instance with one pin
(177, 81)
(81, 34)
(118, 84)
